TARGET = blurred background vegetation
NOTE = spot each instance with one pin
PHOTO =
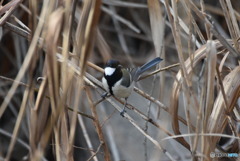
(51, 59)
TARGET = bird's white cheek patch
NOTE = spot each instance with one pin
(109, 70)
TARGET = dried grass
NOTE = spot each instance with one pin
(51, 66)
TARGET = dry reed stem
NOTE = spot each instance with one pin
(38, 112)
(8, 9)
(52, 34)
(234, 20)
(203, 9)
(211, 54)
(18, 124)
(208, 88)
(98, 126)
(67, 80)
(17, 30)
(175, 29)
(82, 114)
(85, 33)
(92, 157)
(86, 136)
(20, 141)
(206, 134)
(66, 77)
(157, 24)
(68, 17)
(231, 21)
(20, 23)
(125, 4)
(158, 70)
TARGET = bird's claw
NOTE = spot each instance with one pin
(104, 95)
(122, 112)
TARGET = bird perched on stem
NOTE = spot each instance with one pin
(118, 81)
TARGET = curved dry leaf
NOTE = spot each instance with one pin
(223, 61)
(218, 117)
(189, 63)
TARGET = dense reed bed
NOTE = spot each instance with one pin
(52, 55)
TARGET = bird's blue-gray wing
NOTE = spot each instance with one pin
(126, 79)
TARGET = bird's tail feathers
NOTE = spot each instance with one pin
(145, 67)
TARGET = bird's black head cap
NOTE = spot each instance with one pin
(112, 63)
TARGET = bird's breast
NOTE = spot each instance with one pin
(121, 91)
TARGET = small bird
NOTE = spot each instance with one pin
(118, 81)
